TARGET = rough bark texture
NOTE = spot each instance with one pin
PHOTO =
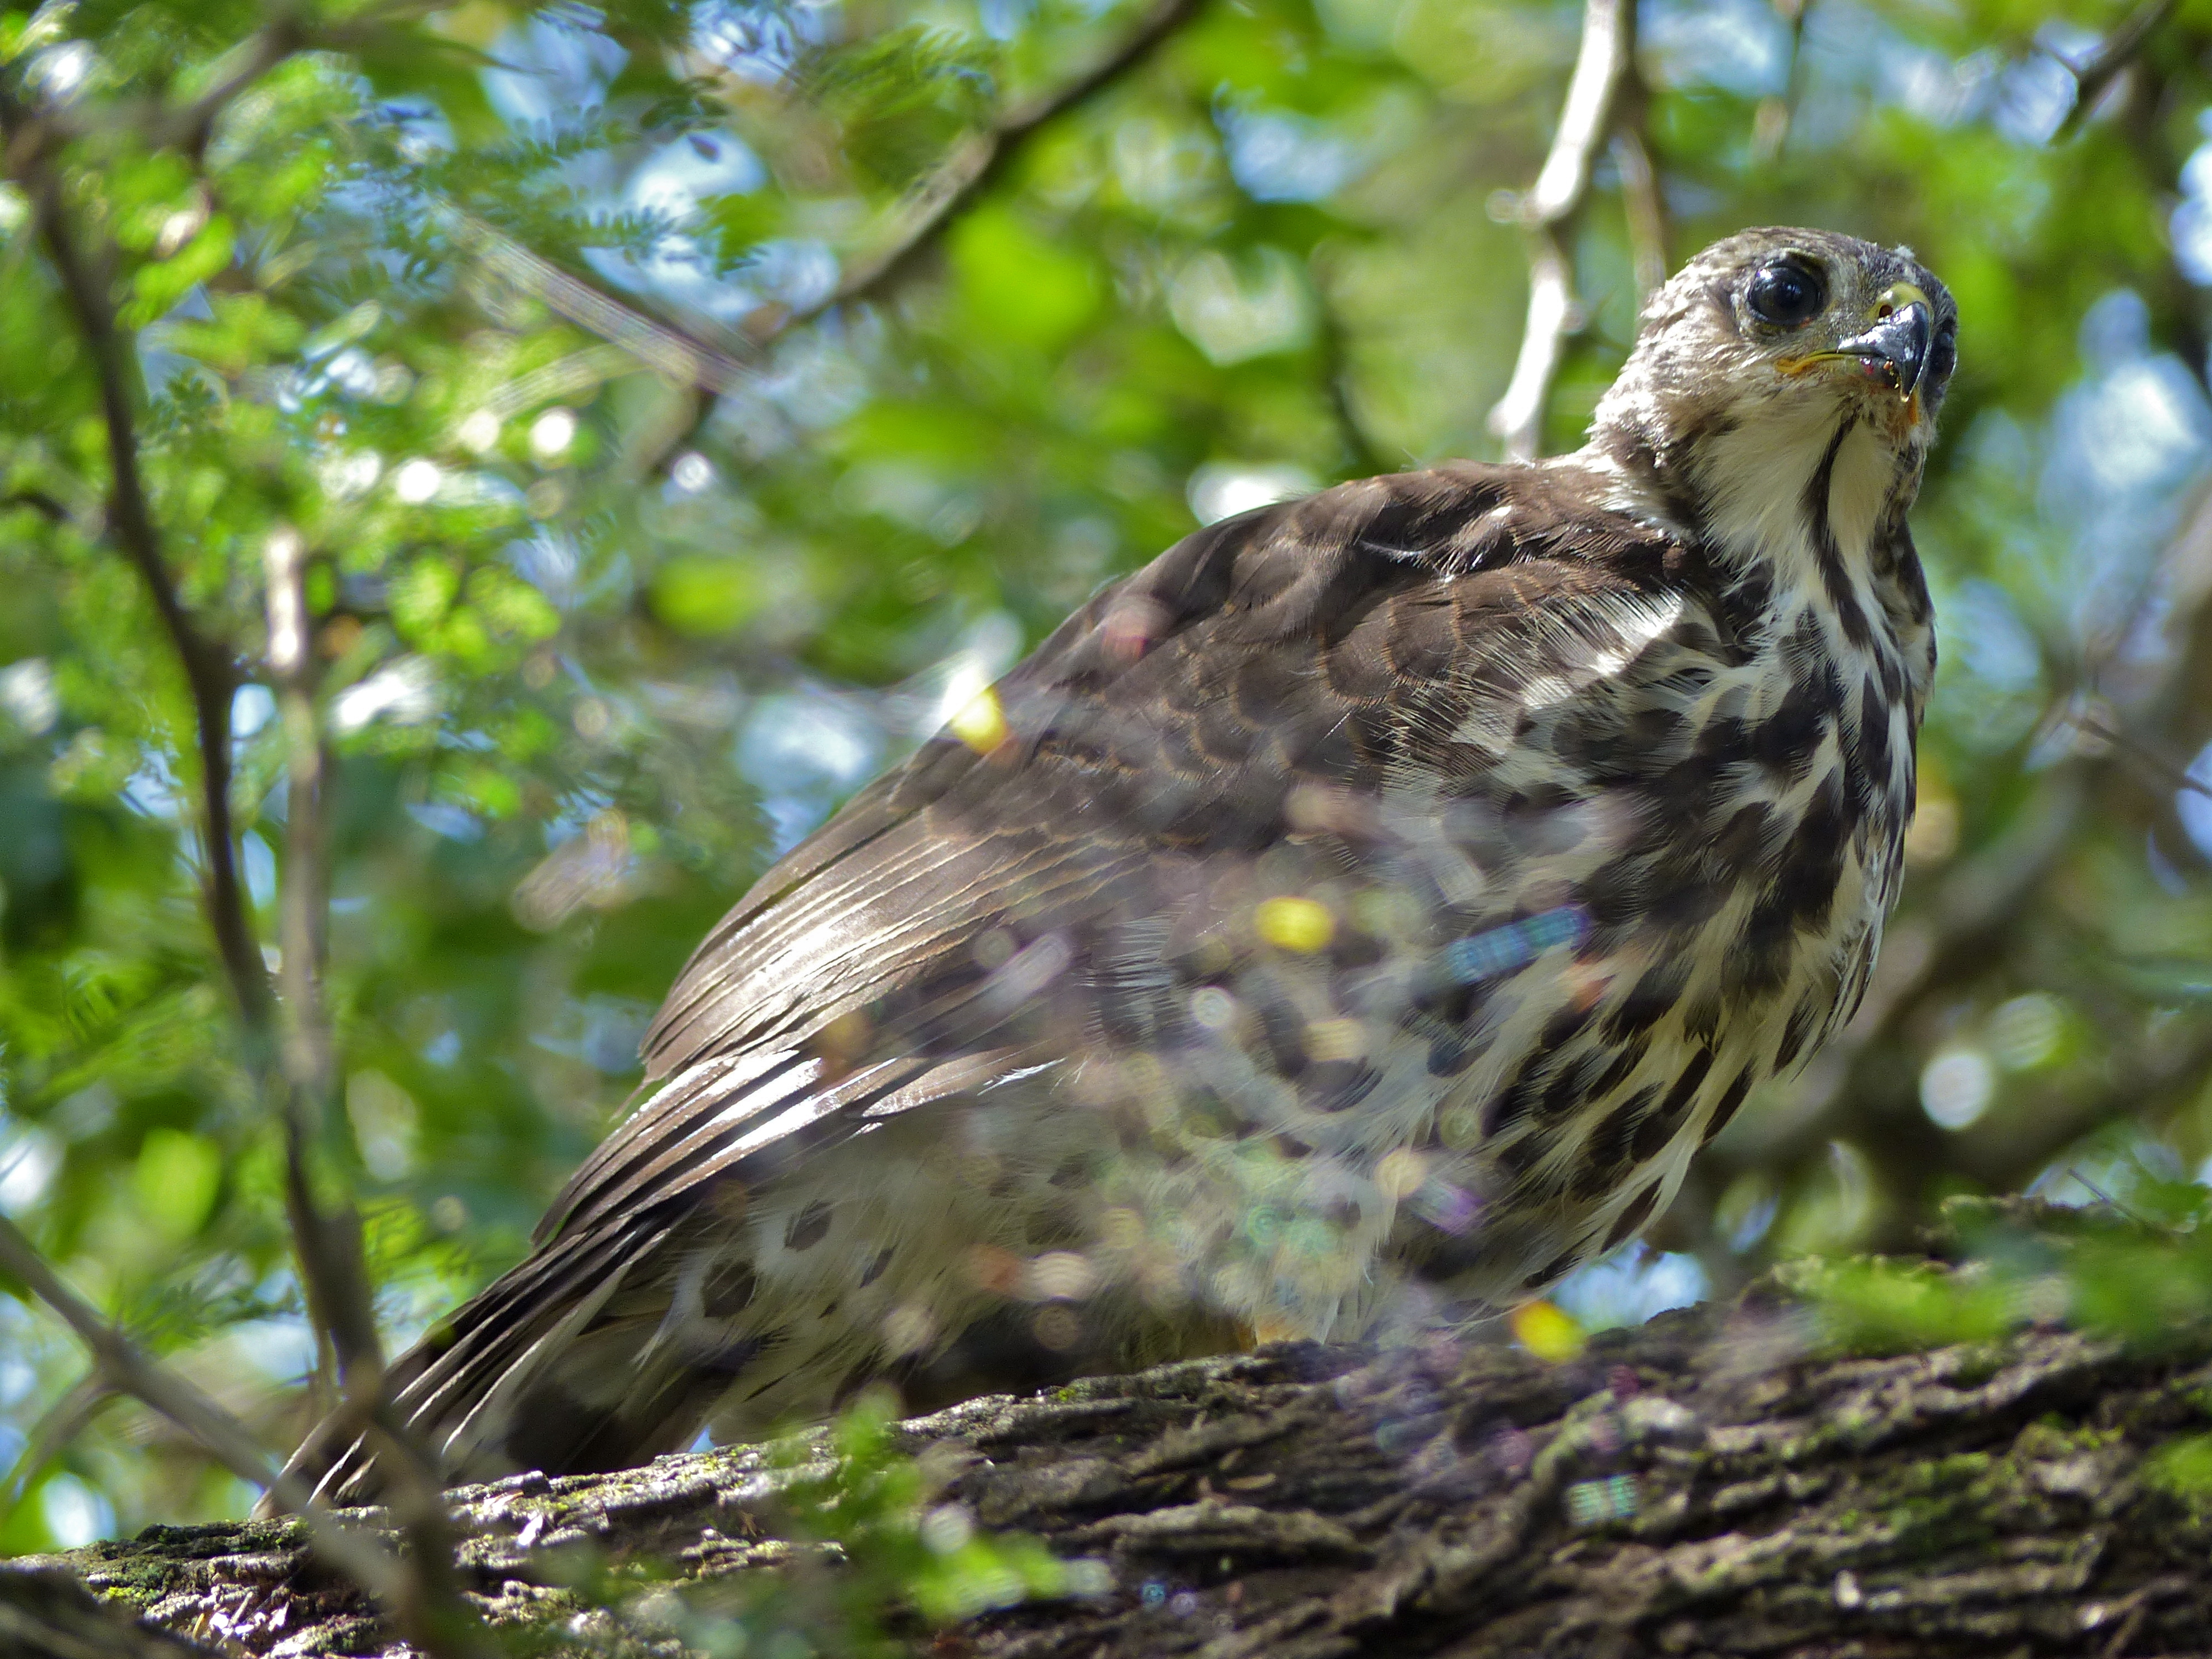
(1708, 1484)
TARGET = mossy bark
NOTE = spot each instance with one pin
(1712, 1483)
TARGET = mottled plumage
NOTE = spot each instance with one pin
(1343, 926)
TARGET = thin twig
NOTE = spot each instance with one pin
(327, 1234)
(189, 128)
(1585, 119)
(130, 1371)
(977, 163)
(2113, 54)
(1362, 459)
(660, 346)
(2161, 767)
(1642, 203)
(40, 502)
(336, 1285)
(59, 1424)
(421, 1593)
(1772, 120)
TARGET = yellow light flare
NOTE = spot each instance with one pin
(1400, 1173)
(980, 723)
(1294, 924)
(1336, 1039)
(1548, 1331)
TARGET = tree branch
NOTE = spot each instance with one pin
(915, 224)
(2103, 66)
(209, 674)
(329, 1241)
(1708, 1483)
(1608, 41)
(126, 1369)
(1642, 201)
(978, 163)
(330, 1251)
(294, 1066)
(440, 1626)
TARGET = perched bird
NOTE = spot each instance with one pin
(1342, 928)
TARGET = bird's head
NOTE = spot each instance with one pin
(1771, 339)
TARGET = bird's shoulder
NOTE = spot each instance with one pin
(1178, 711)
(1340, 599)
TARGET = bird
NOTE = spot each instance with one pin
(1342, 928)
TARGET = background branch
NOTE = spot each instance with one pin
(978, 163)
(1642, 201)
(2097, 72)
(292, 1063)
(327, 1230)
(1607, 43)
(124, 1368)
(211, 678)
(911, 229)
(419, 1593)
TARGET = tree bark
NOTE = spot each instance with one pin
(1712, 1483)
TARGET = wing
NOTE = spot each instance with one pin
(1281, 660)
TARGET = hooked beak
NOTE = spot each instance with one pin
(1895, 350)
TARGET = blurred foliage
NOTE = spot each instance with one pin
(874, 1557)
(594, 645)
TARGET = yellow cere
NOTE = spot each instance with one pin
(1548, 1331)
(1294, 924)
(980, 724)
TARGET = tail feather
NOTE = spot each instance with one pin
(479, 1389)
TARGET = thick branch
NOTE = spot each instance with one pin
(1707, 1484)
(1608, 41)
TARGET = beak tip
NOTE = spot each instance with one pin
(1897, 347)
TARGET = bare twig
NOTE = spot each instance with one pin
(658, 346)
(1771, 120)
(1362, 459)
(328, 1238)
(1642, 203)
(130, 1371)
(2096, 72)
(1609, 40)
(59, 1424)
(981, 158)
(419, 1593)
(189, 128)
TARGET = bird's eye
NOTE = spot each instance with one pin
(1787, 294)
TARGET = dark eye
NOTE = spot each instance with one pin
(1787, 294)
